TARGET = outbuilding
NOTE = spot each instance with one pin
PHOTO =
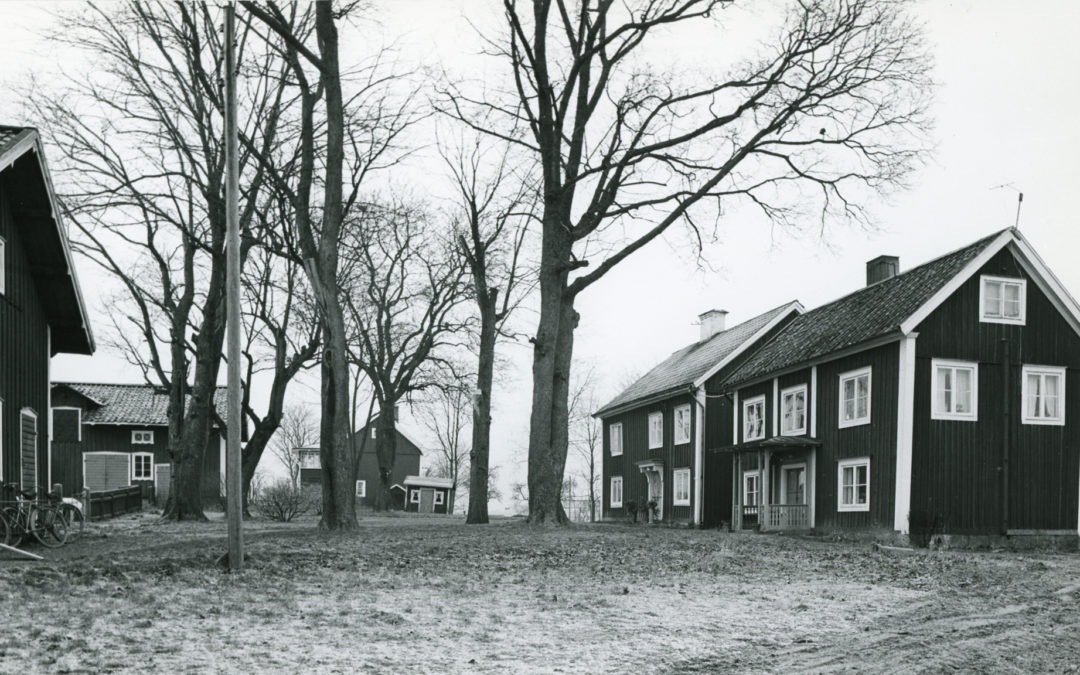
(425, 494)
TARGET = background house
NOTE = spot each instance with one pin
(427, 494)
(41, 307)
(107, 436)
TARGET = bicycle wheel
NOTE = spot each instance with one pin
(5, 530)
(15, 527)
(48, 526)
(74, 520)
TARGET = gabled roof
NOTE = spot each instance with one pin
(428, 481)
(695, 363)
(363, 438)
(869, 314)
(44, 239)
(136, 404)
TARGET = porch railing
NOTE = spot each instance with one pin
(788, 517)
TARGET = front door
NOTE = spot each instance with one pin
(794, 485)
(427, 500)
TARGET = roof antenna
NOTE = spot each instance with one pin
(1019, 203)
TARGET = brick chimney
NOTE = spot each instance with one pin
(881, 268)
(712, 322)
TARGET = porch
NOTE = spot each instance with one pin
(774, 483)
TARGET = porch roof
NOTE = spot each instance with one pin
(774, 443)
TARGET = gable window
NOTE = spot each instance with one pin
(142, 466)
(956, 390)
(656, 430)
(681, 479)
(1043, 393)
(142, 437)
(754, 418)
(855, 398)
(793, 405)
(615, 494)
(853, 489)
(361, 488)
(750, 488)
(440, 497)
(1003, 300)
(615, 439)
(3, 266)
(682, 424)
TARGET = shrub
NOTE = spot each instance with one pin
(280, 500)
(631, 509)
(923, 525)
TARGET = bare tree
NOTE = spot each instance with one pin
(403, 286)
(830, 115)
(446, 414)
(298, 429)
(586, 435)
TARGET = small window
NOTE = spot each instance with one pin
(440, 497)
(309, 459)
(793, 407)
(361, 489)
(615, 439)
(142, 437)
(853, 489)
(681, 479)
(682, 424)
(616, 492)
(3, 266)
(656, 430)
(754, 419)
(142, 466)
(1003, 300)
(855, 398)
(373, 432)
(414, 496)
(1043, 395)
(751, 490)
(956, 390)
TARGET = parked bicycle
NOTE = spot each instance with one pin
(25, 515)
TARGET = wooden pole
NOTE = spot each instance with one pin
(233, 484)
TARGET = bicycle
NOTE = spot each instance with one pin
(27, 515)
(72, 513)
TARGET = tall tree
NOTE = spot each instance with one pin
(298, 429)
(830, 115)
(446, 414)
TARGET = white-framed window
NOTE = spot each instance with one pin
(1002, 300)
(853, 484)
(1043, 395)
(615, 439)
(656, 430)
(754, 418)
(142, 437)
(373, 432)
(309, 458)
(682, 424)
(615, 493)
(440, 497)
(956, 390)
(751, 489)
(361, 489)
(680, 478)
(414, 496)
(142, 466)
(855, 397)
(793, 411)
(3, 266)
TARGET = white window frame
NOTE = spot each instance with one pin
(676, 475)
(135, 462)
(3, 266)
(615, 432)
(936, 414)
(361, 489)
(677, 437)
(756, 400)
(1059, 372)
(657, 440)
(855, 375)
(78, 424)
(1015, 281)
(414, 495)
(135, 436)
(747, 477)
(852, 463)
(309, 452)
(615, 504)
(440, 498)
(792, 391)
(373, 430)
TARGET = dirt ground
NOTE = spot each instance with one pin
(425, 594)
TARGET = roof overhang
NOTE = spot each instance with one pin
(428, 481)
(646, 465)
(774, 443)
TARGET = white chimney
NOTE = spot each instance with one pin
(712, 322)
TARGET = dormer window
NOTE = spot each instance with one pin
(1003, 300)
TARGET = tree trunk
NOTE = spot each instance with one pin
(338, 459)
(481, 431)
(385, 452)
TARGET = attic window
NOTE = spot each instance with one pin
(1003, 300)
(142, 437)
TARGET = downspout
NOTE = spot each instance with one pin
(699, 453)
(1006, 397)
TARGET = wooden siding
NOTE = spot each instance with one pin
(957, 466)
(24, 357)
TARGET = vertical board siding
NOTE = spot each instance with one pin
(957, 466)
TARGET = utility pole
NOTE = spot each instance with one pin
(233, 484)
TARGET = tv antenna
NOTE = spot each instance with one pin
(1019, 200)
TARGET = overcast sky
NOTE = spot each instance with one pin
(1005, 118)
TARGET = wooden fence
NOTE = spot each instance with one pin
(113, 503)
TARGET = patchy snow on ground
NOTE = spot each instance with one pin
(431, 594)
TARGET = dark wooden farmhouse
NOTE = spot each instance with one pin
(109, 436)
(41, 307)
(944, 398)
(406, 463)
(655, 431)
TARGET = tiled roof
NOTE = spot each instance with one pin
(687, 365)
(131, 403)
(864, 315)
